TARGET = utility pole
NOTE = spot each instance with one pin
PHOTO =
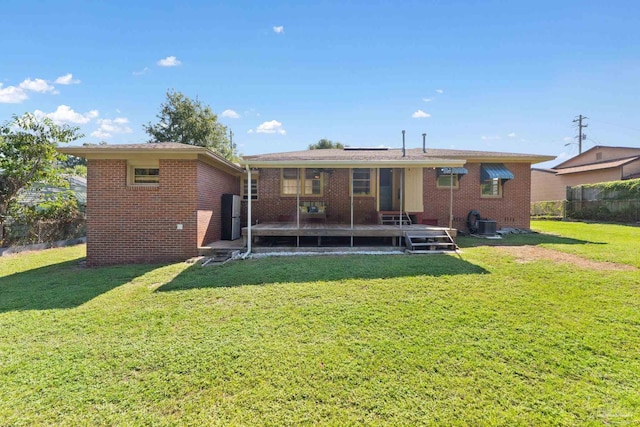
(581, 136)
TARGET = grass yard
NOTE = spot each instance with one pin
(531, 330)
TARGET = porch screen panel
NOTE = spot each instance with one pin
(413, 194)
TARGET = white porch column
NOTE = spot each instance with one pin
(298, 208)
(249, 238)
(450, 197)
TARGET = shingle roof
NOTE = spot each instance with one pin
(412, 154)
(597, 166)
(160, 148)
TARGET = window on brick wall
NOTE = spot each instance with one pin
(147, 173)
(311, 182)
(448, 181)
(254, 188)
(362, 182)
(491, 187)
(492, 178)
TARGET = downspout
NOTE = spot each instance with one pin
(298, 209)
(249, 238)
(351, 186)
(401, 197)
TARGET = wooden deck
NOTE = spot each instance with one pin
(319, 230)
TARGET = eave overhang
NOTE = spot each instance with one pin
(345, 164)
(114, 152)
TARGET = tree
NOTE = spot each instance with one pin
(324, 144)
(28, 155)
(190, 122)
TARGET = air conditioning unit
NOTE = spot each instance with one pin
(486, 226)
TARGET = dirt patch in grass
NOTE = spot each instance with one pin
(526, 254)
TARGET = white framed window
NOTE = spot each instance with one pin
(143, 174)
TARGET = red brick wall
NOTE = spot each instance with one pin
(270, 205)
(212, 184)
(133, 224)
(512, 210)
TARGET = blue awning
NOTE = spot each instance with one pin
(495, 171)
(447, 171)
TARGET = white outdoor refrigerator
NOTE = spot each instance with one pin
(230, 217)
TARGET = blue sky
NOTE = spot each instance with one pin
(486, 75)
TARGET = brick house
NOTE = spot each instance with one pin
(161, 202)
(597, 164)
(153, 202)
(425, 184)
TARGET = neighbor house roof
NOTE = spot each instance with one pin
(597, 166)
(161, 150)
(390, 157)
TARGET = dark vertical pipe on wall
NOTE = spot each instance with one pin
(403, 149)
(424, 142)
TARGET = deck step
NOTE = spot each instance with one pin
(428, 241)
(394, 218)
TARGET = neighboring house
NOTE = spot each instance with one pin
(153, 202)
(37, 194)
(598, 164)
(160, 202)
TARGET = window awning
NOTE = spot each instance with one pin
(447, 171)
(495, 171)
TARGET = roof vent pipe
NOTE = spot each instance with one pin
(424, 142)
(403, 150)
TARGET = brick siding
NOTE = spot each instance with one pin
(138, 224)
(511, 210)
(212, 184)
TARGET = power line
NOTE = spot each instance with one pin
(619, 126)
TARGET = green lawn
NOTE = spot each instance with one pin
(483, 338)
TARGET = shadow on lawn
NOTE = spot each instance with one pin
(62, 285)
(522, 240)
(305, 269)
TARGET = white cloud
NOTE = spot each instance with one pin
(439, 91)
(12, 95)
(420, 115)
(230, 114)
(567, 139)
(490, 138)
(108, 127)
(37, 85)
(272, 126)
(278, 30)
(67, 79)
(250, 131)
(427, 99)
(64, 114)
(169, 61)
(512, 135)
(141, 72)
